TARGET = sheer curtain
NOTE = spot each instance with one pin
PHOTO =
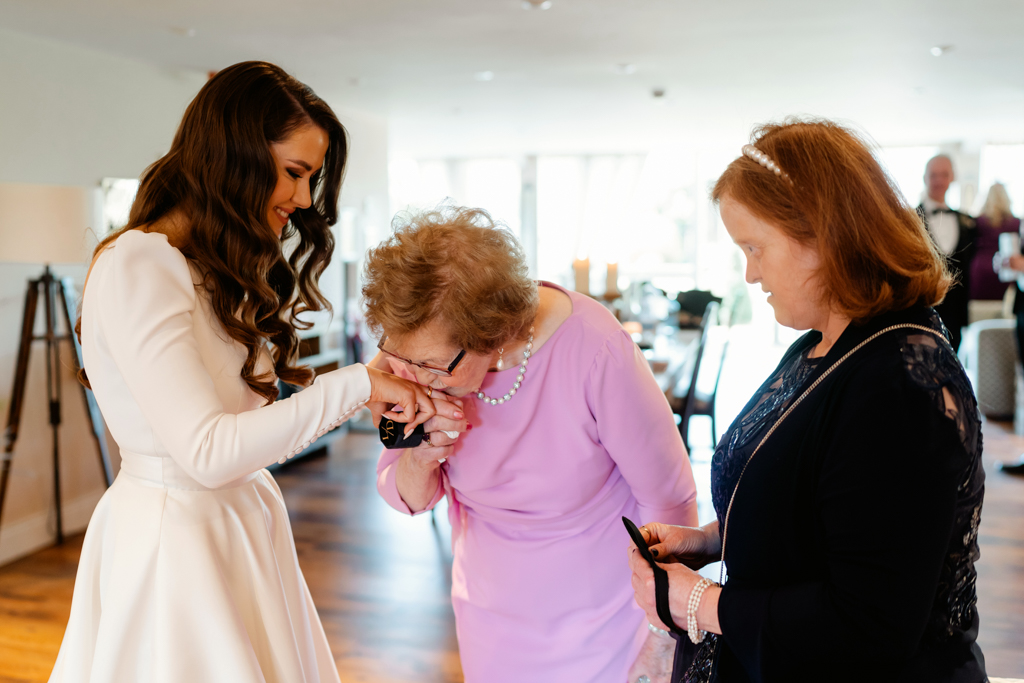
(491, 184)
(648, 213)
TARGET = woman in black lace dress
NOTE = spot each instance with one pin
(848, 492)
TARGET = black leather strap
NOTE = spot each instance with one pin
(660, 578)
(680, 659)
(661, 598)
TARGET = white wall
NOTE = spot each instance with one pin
(71, 116)
(363, 219)
(366, 180)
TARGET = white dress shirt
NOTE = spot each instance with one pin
(944, 226)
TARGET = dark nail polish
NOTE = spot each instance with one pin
(654, 552)
(468, 427)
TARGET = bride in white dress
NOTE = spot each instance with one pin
(188, 571)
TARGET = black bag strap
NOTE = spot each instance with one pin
(660, 578)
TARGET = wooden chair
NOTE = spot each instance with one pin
(698, 402)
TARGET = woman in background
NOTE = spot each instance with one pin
(188, 570)
(995, 219)
(569, 433)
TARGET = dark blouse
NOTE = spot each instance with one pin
(853, 534)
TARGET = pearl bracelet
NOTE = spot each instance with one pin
(658, 631)
(696, 635)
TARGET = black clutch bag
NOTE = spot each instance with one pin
(392, 434)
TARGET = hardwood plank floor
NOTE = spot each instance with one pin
(381, 580)
(35, 602)
(1001, 567)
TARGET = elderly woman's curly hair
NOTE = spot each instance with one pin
(453, 265)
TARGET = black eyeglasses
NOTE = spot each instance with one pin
(444, 372)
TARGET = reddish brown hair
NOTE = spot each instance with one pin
(876, 255)
(456, 266)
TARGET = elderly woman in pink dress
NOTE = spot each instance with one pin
(550, 428)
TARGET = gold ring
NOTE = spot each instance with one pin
(430, 392)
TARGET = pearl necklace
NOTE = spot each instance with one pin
(519, 378)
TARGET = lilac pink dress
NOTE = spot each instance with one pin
(540, 583)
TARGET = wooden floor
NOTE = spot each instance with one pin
(381, 580)
(1001, 567)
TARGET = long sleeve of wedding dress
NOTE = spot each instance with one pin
(152, 324)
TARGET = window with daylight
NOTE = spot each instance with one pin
(491, 184)
(905, 166)
(1002, 164)
(118, 195)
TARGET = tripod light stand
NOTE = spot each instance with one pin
(46, 224)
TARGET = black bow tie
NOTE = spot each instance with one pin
(940, 210)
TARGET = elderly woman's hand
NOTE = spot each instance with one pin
(445, 427)
(426, 457)
(442, 430)
(418, 467)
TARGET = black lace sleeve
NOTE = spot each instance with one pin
(932, 367)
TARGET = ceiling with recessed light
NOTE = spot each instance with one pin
(481, 77)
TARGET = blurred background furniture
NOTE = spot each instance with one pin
(697, 399)
(693, 307)
(45, 225)
(989, 354)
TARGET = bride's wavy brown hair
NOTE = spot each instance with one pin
(220, 174)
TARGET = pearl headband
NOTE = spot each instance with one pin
(766, 161)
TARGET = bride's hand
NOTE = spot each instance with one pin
(389, 389)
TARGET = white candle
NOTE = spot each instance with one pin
(581, 269)
(611, 286)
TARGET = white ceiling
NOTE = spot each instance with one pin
(724, 64)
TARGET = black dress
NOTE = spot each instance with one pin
(853, 533)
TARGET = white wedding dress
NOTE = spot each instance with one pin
(188, 571)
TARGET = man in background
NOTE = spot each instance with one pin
(954, 234)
